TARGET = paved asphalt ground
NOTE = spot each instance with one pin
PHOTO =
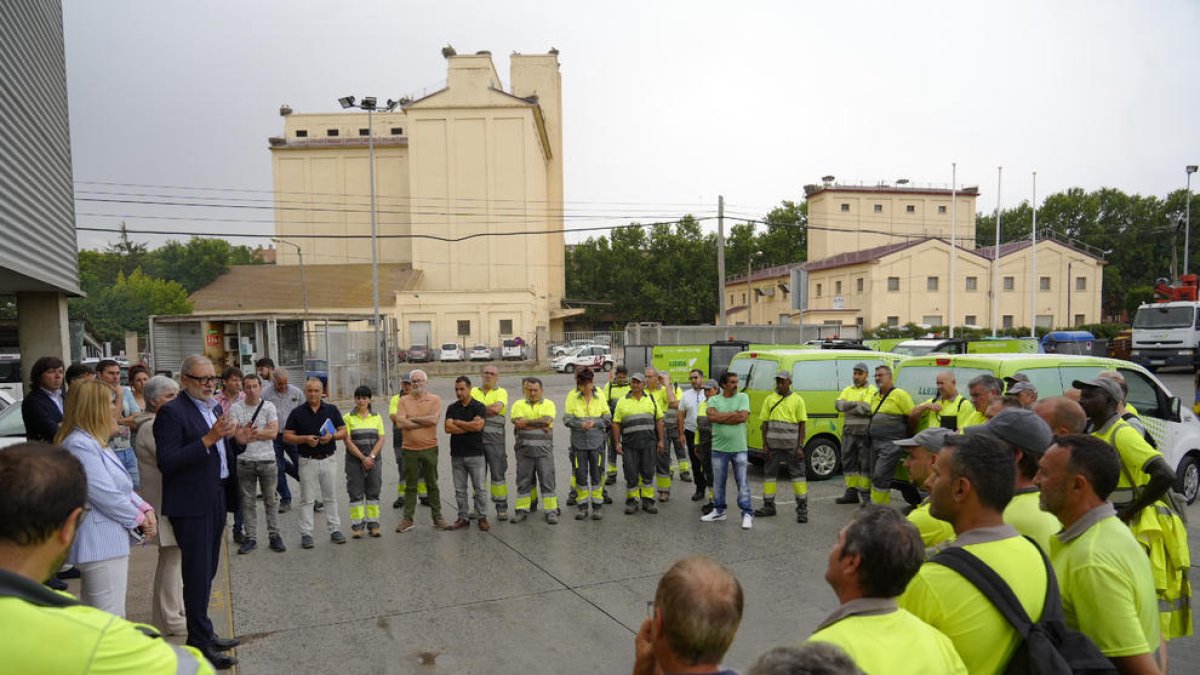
(528, 598)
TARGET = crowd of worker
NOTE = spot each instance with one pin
(1041, 510)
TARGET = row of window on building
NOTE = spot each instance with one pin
(1006, 320)
(333, 133)
(908, 208)
(933, 283)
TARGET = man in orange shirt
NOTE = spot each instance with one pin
(418, 415)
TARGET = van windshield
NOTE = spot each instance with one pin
(10, 371)
(913, 350)
(1163, 317)
(921, 381)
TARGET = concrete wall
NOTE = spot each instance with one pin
(442, 310)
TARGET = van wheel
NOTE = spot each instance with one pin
(822, 458)
(607, 366)
(1188, 481)
(569, 368)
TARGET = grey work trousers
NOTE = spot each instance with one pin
(856, 463)
(885, 456)
(639, 462)
(253, 476)
(536, 470)
(497, 466)
(589, 475)
(475, 470)
(364, 488)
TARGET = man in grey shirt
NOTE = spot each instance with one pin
(257, 466)
(284, 397)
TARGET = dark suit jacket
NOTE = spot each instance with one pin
(41, 416)
(191, 473)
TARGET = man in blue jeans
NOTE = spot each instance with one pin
(728, 414)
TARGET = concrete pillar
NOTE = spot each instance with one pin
(132, 353)
(42, 328)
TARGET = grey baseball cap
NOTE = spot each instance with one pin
(1023, 428)
(1019, 377)
(711, 384)
(1111, 387)
(861, 365)
(1018, 387)
(784, 375)
(932, 439)
(405, 379)
(640, 377)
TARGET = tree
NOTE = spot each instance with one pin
(128, 304)
(197, 263)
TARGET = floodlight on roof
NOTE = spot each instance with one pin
(346, 101)
(391, 104)
(368, 103)
(902, 181)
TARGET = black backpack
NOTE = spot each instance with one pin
(1048, 647)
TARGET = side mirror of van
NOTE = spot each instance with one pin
(1176, 405)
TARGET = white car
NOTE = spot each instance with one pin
(595, 357)
(12, 426)
(512, 351)
(563, 349)
(451, 352)
(481, 353)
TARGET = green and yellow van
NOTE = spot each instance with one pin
(1173, 427)
(818, 375)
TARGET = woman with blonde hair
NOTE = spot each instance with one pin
(114, 515)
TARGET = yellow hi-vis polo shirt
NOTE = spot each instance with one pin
(944, 599)
(1026, 515)
(881, 638)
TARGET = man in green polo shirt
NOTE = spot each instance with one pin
(728, 413)
(1106, 581)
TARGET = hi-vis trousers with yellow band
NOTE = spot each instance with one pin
(796, 471)
(638, 459)
(662, 463)
(497, 463)
(363, 488)
(1163, 536)
(856, 461)
(588, 477)
(538, 468)
(885, 454)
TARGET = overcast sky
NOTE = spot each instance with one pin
(666, 104)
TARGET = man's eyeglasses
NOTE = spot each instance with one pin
(203, 380)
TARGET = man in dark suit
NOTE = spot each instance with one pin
(42, 409)
(197, 465)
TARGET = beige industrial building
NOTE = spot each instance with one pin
(882, 255)
(469, 194)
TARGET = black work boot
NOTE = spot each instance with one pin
(767, 510)
(631, 506)
(802, 511)
(851, 497)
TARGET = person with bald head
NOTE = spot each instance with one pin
(285, 397)
(943, 410)
(1064, 415)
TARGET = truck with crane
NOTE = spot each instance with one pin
(1166, 332)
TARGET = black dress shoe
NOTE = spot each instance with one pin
(57, 584)
(225, 644)
(72, 573)
(218, 660)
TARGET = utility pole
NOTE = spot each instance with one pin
(996, 257)
(953, 240)
(1033, 279)
(721, 319)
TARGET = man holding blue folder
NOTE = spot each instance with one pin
(315, 428)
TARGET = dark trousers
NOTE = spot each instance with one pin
(701, 464)
(288, 459)
(199, 539)
(639, 461)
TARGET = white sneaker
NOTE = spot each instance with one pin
(747, 521)
(713, 516)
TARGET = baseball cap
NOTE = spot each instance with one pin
(861, 365)
(405, 379)
(1111, 387)
(640, 377)
(1013, 379)
(1018, 387)
(1023, 428)
(783, 375)
(711, 384)
(932, 439)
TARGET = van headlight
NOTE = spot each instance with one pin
(1185, 352)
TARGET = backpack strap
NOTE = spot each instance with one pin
(998, 591)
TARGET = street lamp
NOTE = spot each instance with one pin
(369, 104)
(749, 289)
(1187, 233)
(303, 281)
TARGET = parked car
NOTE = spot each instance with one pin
(318, 368)
(451, 352)
(6, 400)
(420, 354)
(512, 350)
(481, 353)
(559, 350)
(12, 426)
(596, 357)
(10, 376)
